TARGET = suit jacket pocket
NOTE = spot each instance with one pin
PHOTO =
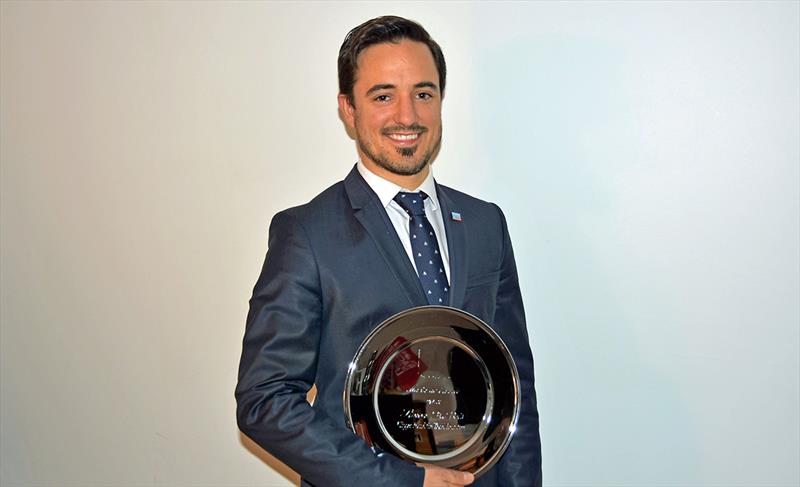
(483, 280)
(480, 297)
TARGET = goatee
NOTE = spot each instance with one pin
(404, 152)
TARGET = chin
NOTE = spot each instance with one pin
(403, 167)
(390, 159)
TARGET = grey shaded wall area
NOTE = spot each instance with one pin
(647, 156)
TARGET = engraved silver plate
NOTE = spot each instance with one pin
(434, 385)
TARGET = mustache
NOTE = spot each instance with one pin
(404, 128)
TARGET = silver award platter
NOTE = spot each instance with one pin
(434, 385)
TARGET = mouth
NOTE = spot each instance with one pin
(404, 138)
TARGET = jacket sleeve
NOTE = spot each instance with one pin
(278, 367)
(521, 464)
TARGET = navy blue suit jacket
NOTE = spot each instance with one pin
(335, 269)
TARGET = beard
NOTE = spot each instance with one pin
(406, 164)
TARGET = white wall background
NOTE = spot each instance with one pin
(646, 155)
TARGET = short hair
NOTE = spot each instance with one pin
(380, 30)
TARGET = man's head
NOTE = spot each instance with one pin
(391, 83)
(381, 30)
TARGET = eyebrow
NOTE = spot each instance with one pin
(380, 87)
(387, 86)
(427, 84)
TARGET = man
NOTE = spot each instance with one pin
(339, 265)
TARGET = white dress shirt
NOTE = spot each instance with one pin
(387, 190)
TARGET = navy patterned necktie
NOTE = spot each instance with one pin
(425, 248)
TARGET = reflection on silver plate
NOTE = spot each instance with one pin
(434, 385)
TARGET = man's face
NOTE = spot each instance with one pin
(396, 110)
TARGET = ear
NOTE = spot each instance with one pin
(346, 110)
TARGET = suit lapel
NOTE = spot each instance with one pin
(372, 216)
(456, 247)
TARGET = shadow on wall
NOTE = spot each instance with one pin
(611, 413)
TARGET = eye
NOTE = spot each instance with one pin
(425, 95)
(382, 98)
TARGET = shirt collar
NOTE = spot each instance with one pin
(387, 190)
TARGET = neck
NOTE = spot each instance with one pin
(411, 181)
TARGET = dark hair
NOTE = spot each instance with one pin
(379, 30)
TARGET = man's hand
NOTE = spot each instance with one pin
(442, 477)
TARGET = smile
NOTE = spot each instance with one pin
(403, 137)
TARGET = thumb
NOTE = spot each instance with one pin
(465, 478)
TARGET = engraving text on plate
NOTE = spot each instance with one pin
(447, 391)
(437, 409)
(434, 418)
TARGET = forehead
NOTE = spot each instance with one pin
(404, 62)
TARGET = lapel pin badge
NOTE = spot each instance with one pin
(455, 216)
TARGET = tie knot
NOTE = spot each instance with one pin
(413, 203)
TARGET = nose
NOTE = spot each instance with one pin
(406, 114)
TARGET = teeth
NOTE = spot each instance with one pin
(401, 137)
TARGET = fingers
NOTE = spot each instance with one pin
(443, 477)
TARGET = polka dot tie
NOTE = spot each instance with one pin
(425, 247)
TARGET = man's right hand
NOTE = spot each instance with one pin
(443, 477)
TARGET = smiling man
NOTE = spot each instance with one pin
(339, 265)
